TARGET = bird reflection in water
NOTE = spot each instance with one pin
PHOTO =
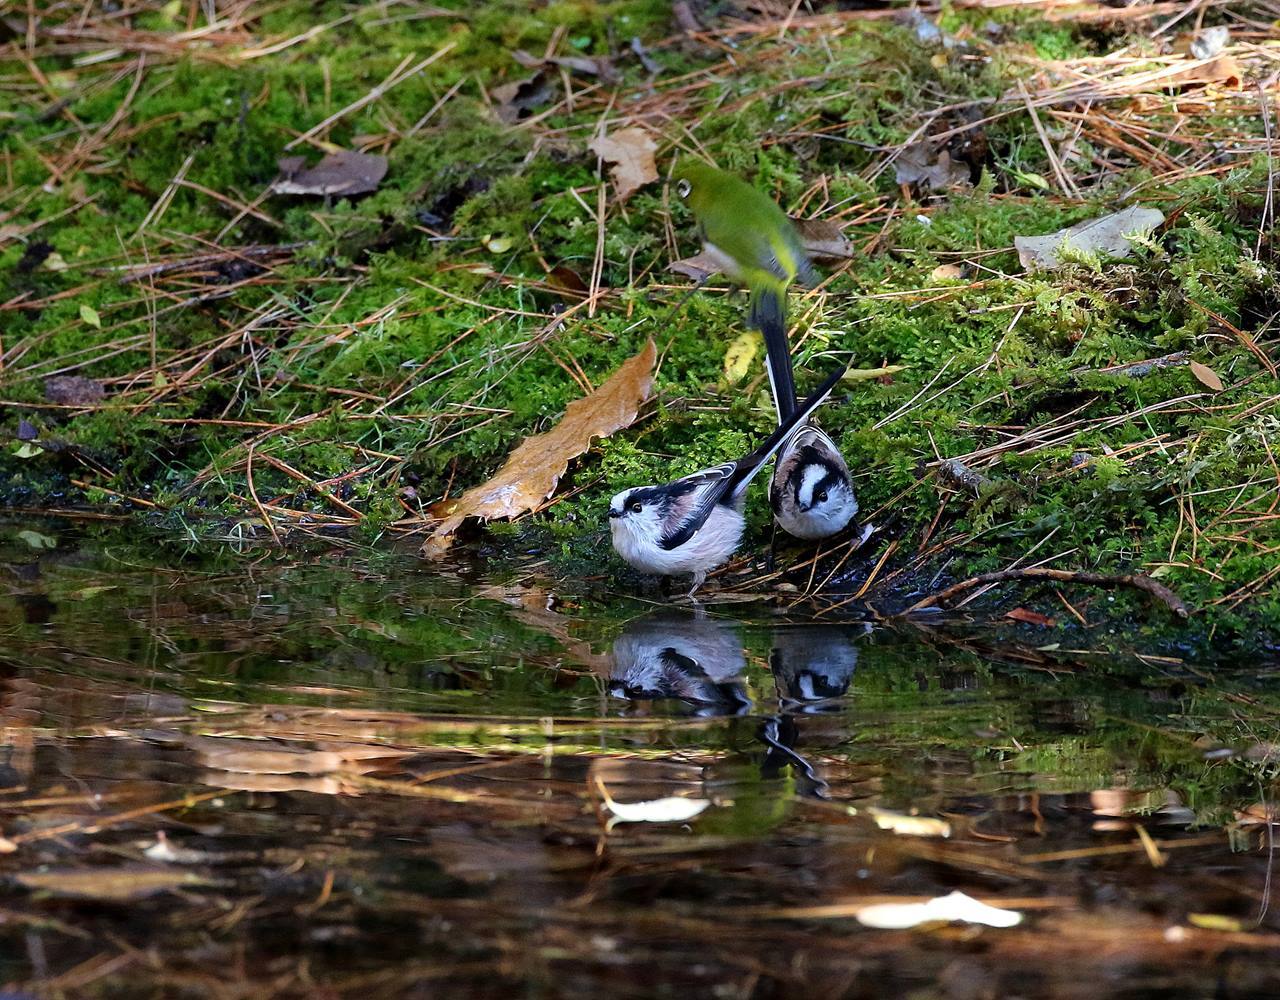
(813, 666)
(694, 659)
(701, 661)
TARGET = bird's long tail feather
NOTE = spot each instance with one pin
(753, 463)
(768, 315)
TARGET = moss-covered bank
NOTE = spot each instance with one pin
(395, 346)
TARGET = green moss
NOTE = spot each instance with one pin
(391, 346)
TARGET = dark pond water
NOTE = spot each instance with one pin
(224, 776)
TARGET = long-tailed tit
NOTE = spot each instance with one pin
(698, 660)
(694, 524)
(811, 492)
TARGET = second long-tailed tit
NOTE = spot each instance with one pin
(694, 524)
(811, 492)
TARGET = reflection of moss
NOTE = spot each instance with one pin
(403, 279)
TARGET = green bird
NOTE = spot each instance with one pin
(755, 244)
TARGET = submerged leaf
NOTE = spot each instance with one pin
(1107, 236)
(954, 907)
(630, 150)
(909, 826)
(532, 471)
(38, 541)
(113, 884)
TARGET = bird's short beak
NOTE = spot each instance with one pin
(614, 513)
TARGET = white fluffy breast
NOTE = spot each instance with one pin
(636, 538)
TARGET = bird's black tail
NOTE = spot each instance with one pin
(768, 315)
(747, 467)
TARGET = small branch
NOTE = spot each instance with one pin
(1142, 582)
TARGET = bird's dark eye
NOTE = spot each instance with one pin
(822, 497)
(636, 506)
(683, 188)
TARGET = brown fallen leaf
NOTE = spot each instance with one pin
(520, 98)
(345, 172)
(1031, 617)
(823, 239)
(73, 390)
(586, 65)
(1222, 70)
(1107, 236)
(532, 471)
(1206, 375)
(933, 171)
(630, 150)
(115, 884)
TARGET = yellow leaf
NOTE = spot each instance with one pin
(938, 60)
(532, 471)
(866, 374)
(1207, 376)
(738, 358)
(1216, 922)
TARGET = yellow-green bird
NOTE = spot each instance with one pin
(754, 243)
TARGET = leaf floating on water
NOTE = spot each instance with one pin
(342, 173)
(630, 150)
(1206, 375)
(532, 471)
(117, 884)
(38, 541)
(909, 826)
(1108, 236)
(738, 358)
(946, 909)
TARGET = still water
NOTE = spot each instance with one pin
(346, 776)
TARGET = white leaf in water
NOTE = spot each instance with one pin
(675, 809)
(669, 810)
(956, 906)
(910, 826)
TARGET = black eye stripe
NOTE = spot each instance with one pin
(825, 485)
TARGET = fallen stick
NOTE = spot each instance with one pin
(1142, 582)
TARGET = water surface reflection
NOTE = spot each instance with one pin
(349, 778)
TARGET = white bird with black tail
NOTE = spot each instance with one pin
(694, 524)
(811, 492)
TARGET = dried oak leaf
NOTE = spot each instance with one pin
(1107, 236)
(342, 173)
(630, 150)
(918, 164)
(532, 471)
(73, 390)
